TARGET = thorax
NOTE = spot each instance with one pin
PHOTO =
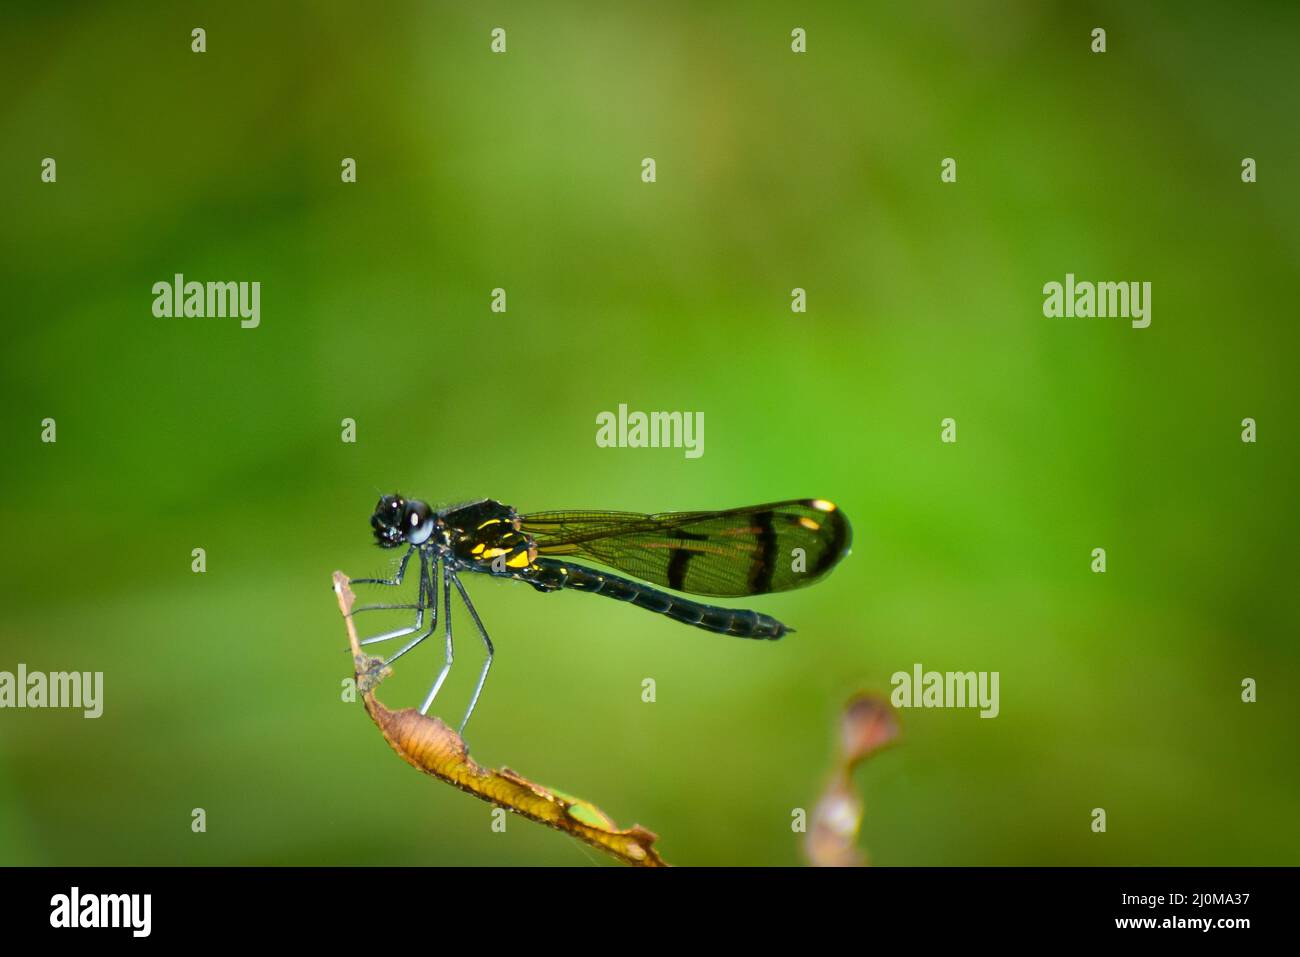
(484, 536)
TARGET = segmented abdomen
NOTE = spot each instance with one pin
(553, 574)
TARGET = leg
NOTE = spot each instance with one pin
(396, 579)
(487, 663)
(420, 606)
(356, 611)
(426, 592)
(446, 614)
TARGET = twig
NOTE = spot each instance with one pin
(432, 747)
(868, 724)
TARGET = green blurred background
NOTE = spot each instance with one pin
(775, 170)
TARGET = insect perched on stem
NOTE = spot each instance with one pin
(729, 553)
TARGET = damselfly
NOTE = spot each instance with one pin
(739, 551)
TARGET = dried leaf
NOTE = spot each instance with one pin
(432, 747)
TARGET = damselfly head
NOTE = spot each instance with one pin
(397, 521)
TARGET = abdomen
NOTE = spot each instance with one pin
(551, 574)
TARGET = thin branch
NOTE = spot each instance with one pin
(867, 725)
(432, 747)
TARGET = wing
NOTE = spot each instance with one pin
(740, 551)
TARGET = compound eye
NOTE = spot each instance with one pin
(419, 523)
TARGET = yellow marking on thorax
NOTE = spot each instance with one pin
(521, 559)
